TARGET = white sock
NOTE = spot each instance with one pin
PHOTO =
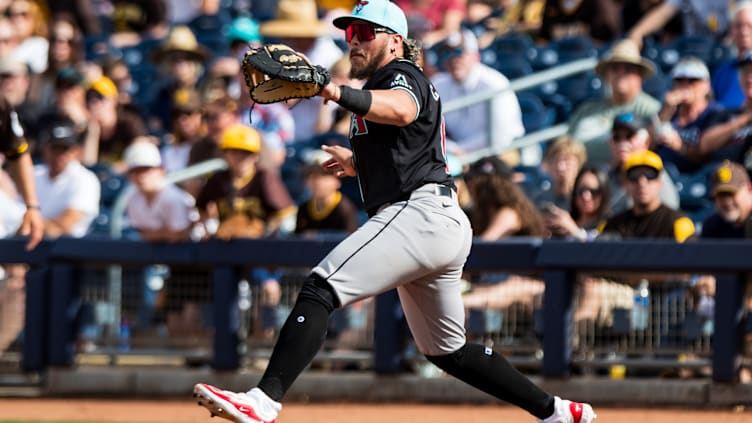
(267, 409)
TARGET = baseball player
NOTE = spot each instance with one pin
(15, 148)
(416, 230)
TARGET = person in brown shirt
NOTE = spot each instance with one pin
(327, 210)
(247, 200)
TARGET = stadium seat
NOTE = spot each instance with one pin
(657, 84)
(535, 114)
(112, 184)
(687, 45)
(573, 48)
(580, 87)
(534, 180)
(511, 45)
(513, 67)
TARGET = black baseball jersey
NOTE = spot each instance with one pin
(661, 223)
(393, 161)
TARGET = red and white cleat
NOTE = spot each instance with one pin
(566, 411)
(239, 407)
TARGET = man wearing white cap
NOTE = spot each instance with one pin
(416, 240)
(468, 127)
(687, 110)
(158, 210)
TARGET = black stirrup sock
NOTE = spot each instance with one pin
(300, 338)
(486, 370)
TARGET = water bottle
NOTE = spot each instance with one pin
(125, 336)
(641, 308)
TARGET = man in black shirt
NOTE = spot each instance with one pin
(416, 240)
(732, 195)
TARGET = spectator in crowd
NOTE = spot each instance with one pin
(731, 192)
(590, 199)
(561, 162)
(159, 211)
(467, 128)
(180, 12)
(687, 111)
(726, 84)
(488, 19)
(705, 18)
(500, 209)
(220, 111)
(630, 134)
(14, 84)
(82, 13)
(297, 25)
(14, 150)
(443, 17)
(247, 200)
(181, 59)
(117, 70)
(116, 127)
(326, 209)
(623, 71)
(136, 20)
(70, 100)
(728, 136)
(68, 192)
(66, 49)
(648, 218)
(15, 217)
(333, 117)
(31, 29)
(243, 34)
(187, 130)
(597, 19)
(162, 212)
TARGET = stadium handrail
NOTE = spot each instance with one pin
(519, 84)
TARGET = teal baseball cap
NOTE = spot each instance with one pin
(245, 29)
(379, 12)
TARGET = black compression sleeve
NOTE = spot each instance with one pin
(356, 101)
(486, 370)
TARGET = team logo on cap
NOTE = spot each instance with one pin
(359, 7)
(724, 174)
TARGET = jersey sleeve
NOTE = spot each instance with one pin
(401, 76)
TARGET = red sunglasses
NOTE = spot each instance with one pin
(364, 32)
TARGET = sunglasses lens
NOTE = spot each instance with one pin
(649, 174)
(591, 191)
(364, 32)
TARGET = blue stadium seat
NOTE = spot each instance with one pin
(687, 45)
(657, 84)
(112, 184)
(97, 48)
(513, 67)
(580, 87)
(573, 48)
(514, 45)
(534, 180)
(535, 114)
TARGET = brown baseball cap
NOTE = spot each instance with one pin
(728, 177)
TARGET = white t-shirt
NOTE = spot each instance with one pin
(175, 156)
(75, 188)
(11, 214)
(468, 127)
(171, 208)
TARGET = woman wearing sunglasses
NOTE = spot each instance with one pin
(589, 207)
(416, 239)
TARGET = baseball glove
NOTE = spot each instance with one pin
(276, 72)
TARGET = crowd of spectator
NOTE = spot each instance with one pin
(136, 89)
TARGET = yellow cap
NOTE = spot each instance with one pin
(643, 158)
(241, 137)
(104, 86)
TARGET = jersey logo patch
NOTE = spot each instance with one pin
(400, 81)
(357, 126)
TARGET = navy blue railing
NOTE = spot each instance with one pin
(49, 335)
